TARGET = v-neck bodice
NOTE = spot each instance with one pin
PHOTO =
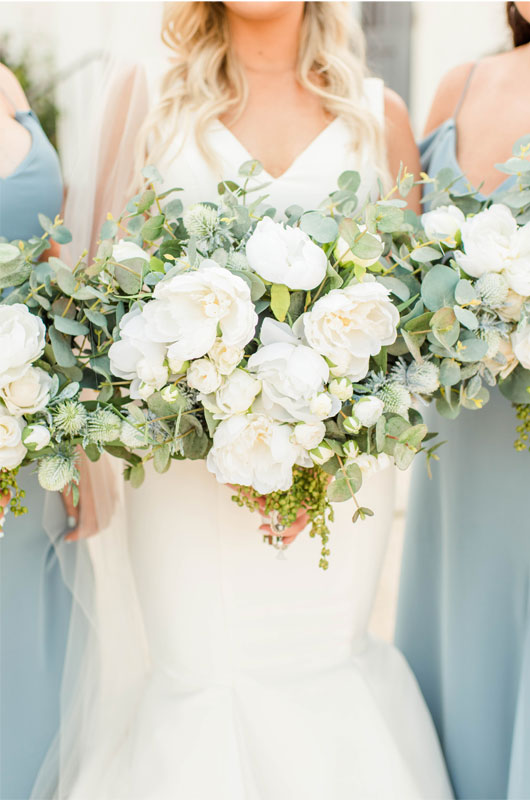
(309, 178)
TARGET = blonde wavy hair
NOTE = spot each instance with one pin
(205, 76)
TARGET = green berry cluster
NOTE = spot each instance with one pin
(522, 411)
(308, 493)
(9, 485)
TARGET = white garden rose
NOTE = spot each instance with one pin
(321, 405)
(203, 376)
(443, 223)
(27, 394)
(504, 362)
(492, 243)
(225, 358)
(22, 338)
(309, 434)
(36, 437)
(368, 410)
(123, 250)
(521, 345)
(291, 374)
(235, 395)
(344, 255)
(190, 308)
(285, 255)
(12, 450)
(136, 355)
(347, 326)
(253, 450)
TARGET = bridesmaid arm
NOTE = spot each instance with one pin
(400, 144)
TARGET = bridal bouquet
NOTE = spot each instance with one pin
(44, 319)
(477, 255)
(276, 351)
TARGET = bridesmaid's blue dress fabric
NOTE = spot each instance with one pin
(464, 606)
(35, 602)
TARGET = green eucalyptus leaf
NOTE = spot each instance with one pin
(322, 229)
(449, 372)
(137, 475)
(70, 326)
(516, 387)
(152, 229)
(161, 457)
(349, 180)
(465, 292)
(438, 287)
(61, 348)
(280, 301)
(466, 318)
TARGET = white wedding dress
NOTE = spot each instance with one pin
(263, 683)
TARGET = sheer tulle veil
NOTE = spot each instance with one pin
(107, 656)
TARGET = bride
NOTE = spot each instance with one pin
(216, 669)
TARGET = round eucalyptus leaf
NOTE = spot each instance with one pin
(438, 287)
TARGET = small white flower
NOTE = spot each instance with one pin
(70, 417)
(443, 223)
(27, 394)
(123, 251)
(235, 395)
(253, 450)
(285, 255)
(190, 309)
(203, 376)
(321, 454)
(225, 358)
(12, 450)
(341, 388)
(22, 337)
(36, 437)
(347, 326)
(309, 434)
(321, 405)
(368, 410)
(344, 255)
(521, 345)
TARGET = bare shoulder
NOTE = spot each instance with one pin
(395, 107)
(12, 89)
(400, 144)
(447, 95)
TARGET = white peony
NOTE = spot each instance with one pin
(190, 308)
(368, 410)
(135, 355)
(203, 376)
(36, 437)
(225, 358)
(291, 374)
(443, 223)
(521, 345)
(22, 338)
(253, 450)
(123, 250)
(347, 326)
(27, 394)
(492, 243)
(235, 395)
(309, 434)
(321, 405)
(285, 255)
(12, 450)
(344, 255)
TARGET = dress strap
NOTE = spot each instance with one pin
(9, 100)
(464, 90)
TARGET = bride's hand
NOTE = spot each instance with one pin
(4, 501)
(290, 533)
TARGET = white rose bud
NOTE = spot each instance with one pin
(170, 394)
(225, 358)
(36, 437)
(521, 345)
(321, 454)
(368, 410)
(236, 394)
(309, 434)
(203, 376)
(321, 405)
(177, 367)
(443, 223)
(341, 388)
(351, 425)
(351, 449)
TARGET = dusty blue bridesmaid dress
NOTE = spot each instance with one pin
(464, 606)
(35, 603)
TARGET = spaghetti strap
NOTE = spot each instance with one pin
(464, 90)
